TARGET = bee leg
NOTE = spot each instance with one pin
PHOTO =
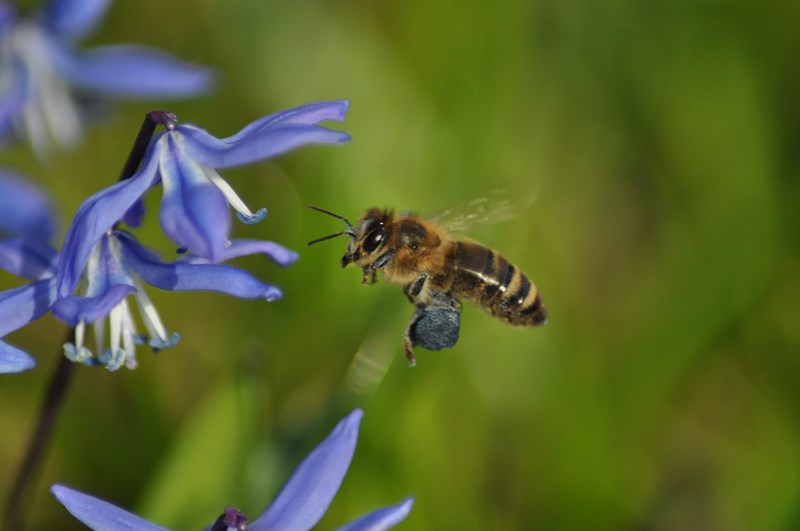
(433, 328)
(369, 270)
(370, 276)
(408, 348)
(413, 289)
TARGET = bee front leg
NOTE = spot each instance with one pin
(370, 269)
(369, 277)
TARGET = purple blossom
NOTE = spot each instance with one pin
(120, 267)
(184, 159)
(41, 71)
(26, 224)
(299, 506)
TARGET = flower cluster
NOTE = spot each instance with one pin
(99, 275)
(100, 265)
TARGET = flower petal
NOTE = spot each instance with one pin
(381, 519)
(20, 306)
(262, 144)
(133, 217)
(24, 209)
(306, 496)
(14, 360)
(98, 514)
(308, 114)
(191, 277)
(277, 253)
(194, 213)
(73, 309)
(133, 72)
(73, 18)
(96, 216)
(27, 258)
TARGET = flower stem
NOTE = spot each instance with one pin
(151, 120)
(40, 439)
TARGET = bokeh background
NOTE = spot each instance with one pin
(651, 152)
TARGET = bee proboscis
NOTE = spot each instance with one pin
(436, 272)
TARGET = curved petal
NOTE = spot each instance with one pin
(194, 213)
(381, 519)
(20, 306)
(133, 217)
(193, 277)
(98, 514)
(25, 210)
(73, 309)
(133, 72)
(306, 496)
(96, 216)
(14, 360)
(277, 253)
(308, 114)
(27, 258)
(73, 18)
(261, 145)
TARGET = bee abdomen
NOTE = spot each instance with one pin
(496, 285)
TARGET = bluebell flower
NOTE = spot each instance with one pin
(26, 225)
(299, 506)
(41, 71)
(120, 266)
(184, 159)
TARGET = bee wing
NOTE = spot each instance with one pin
(496, 207)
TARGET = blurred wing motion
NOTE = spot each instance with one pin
(373, 357)
(496, 207)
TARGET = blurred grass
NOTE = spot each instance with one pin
(660, 144)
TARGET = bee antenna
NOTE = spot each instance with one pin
(328, 237)
(350, 230)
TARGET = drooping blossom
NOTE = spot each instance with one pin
(46, 82)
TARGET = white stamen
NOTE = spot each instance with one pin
(115, 325)
(99, 334)
(149, 314)
(80, 329)
(128, 333)
(230, 195)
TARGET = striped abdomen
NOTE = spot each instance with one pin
(482, 276)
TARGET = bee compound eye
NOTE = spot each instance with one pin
(373, 240)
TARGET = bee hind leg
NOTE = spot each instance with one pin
(408, 348)
(432, 328)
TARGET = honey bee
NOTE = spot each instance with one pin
(436, 272)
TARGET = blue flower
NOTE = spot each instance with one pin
(299, 506)
(117, 267)
(27, 222)
(120, 266)
(184, 159)
(40, 70)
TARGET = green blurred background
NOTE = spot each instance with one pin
(652, 147)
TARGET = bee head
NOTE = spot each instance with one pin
(370, 238)
(365, 240)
